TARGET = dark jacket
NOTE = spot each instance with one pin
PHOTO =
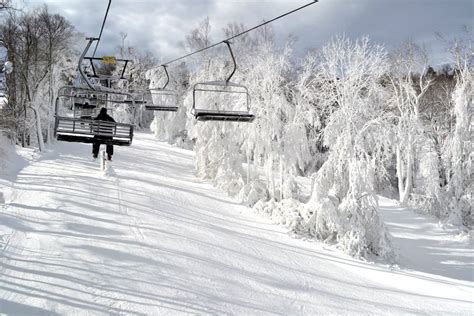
(106, 130)
(103, 116)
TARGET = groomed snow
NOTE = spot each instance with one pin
(152, 239)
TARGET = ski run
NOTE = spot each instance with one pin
(150, 238)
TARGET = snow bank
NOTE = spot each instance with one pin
(12, 160)
(7, 151)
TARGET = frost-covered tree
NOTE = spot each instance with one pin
(136, 83)
(344, 204)
(276, 140)
(58, 34)
(341, 116)
(39, 45)
(459, 152)
(171, 127)
(311, 109)
(409, 82)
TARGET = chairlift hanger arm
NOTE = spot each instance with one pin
(167, 77)
(102, 28)
(81, 58)
(93, 69)
(123, 70)
(233, 60)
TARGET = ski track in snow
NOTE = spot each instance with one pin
(152, 239)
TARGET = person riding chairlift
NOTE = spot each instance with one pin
(98, 140)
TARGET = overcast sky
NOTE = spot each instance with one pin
(161, 25)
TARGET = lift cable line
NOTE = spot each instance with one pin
(240, 34)
(102, 28)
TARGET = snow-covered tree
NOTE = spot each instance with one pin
(341, 116)
(137, 81)
(344, 204)
(459, 152)
(170, 127)
(39, 45)
(409, 82)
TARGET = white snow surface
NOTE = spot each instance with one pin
(152, 239)
(424, 244)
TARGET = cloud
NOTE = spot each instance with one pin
(161, 26)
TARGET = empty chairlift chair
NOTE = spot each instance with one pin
(163, 99)
(86, 105)
(211, 100)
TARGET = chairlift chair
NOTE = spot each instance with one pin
(223, 92)
(163, 99)
(72, 126)
(75, 123)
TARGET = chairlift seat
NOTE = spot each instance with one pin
(130, 102)
(161, 108)
(89, 131)
(226, 116)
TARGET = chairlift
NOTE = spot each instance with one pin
(222, 92)
(74, 121)
(75, 109)
(163, 99)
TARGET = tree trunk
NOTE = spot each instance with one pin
(409, 176)
(39, 133)
(281, 177)
(405, 185)
(400, 173)
(248, 166)
(50, 133)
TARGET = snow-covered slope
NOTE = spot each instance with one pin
(425, 245)
(154, 240)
